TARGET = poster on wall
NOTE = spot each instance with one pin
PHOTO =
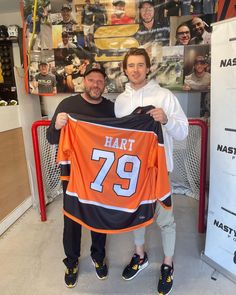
(220, 247)
(77, 31)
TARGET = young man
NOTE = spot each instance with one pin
(68, 23)
(182, 34)
(66, 43)
(150, 28)
(35, 43)
(44, 81)
(141, 92)
(90, 103)
(119, 16)
(87, 21)
(199, 79)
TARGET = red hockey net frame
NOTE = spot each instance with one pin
(202, 168)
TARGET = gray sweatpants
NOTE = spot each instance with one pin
(166, 222)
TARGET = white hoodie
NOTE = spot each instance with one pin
(153, 94)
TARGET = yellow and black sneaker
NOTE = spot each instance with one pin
(166, 280)
(135, 266)
(101, 269)
(71, 276)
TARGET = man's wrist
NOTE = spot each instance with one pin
(165, 122)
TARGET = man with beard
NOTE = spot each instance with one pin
(150, 28)
(201, 36)
(90, 103)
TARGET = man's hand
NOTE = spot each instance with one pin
(158, 115)
(61, 120)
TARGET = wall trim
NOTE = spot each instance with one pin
(15, 214)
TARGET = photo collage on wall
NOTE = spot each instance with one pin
(63, 36)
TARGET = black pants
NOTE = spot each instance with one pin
(72, 240)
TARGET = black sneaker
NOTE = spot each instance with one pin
(166, 280)
(71, 276)
(135, 266)
(101, 269)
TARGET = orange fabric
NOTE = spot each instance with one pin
(77, 143)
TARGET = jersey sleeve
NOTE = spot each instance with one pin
(65, 149)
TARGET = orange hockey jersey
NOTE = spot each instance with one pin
(117, 171)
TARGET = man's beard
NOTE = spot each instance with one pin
(95, 97)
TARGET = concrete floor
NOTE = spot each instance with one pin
(31, 256)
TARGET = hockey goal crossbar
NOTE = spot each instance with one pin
(202, 167)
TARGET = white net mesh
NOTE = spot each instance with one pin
(50, 170)
(185, 178)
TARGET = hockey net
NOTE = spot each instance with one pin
(188, 176)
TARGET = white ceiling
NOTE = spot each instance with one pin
(9, 6)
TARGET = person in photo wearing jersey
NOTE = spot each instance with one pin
(90, 103)
(150, 28)
(34, 37)
(44, 81)
(67, 22)
(142, 92)
(87, 21)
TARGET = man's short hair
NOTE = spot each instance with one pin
(134, 52)
(118, 2)
(65, 34)
(66, 6)
(141, 2)
(94, 67)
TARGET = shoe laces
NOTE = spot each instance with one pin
(166, 272)
(99, 265)
(135, 262)
(70, 271)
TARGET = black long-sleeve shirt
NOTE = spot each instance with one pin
(77, 105)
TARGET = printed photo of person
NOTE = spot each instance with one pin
(100, 14)
(65, 19)
(185, 7)
(197, 75)
(65, 43)
(87, 21)
(41, 77)
(180, 30)
(119, 14)
(69, 65)
(33, 21)
(183, 34)
(151, 29)
(200, 31)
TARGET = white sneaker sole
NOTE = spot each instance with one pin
(140, 269)
(104, 278)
